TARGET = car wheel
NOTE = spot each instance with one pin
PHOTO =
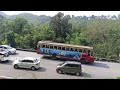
(59, 71)
(78, 74)
(16, 66)
(9, 53)
(33, 68)
(0, 61)
(7, 60)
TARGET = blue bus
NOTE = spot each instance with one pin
(63, 51)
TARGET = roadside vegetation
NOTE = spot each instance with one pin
(118, 78)
(100, 32)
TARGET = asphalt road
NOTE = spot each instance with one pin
(99, 70)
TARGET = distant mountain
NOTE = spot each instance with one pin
(3, 14)
(35, 19)
(1, 17)
(44, 19)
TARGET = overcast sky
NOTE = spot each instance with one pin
(75, 13)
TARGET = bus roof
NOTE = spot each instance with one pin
(65, 45)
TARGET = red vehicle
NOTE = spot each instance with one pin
(83, 54)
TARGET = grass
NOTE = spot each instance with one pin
(118, 77)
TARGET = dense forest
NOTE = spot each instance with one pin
(100, 32)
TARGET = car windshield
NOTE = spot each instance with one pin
(20, 60)
(35, 60)
(9, 47)
(2, 50)
(61, 63)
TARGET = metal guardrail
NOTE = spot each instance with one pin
(96, 59)
(108, 60)
(29, 50)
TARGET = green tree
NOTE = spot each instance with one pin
(19, 25)
(10, 36)
(61, 26)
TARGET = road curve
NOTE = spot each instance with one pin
(98, 70)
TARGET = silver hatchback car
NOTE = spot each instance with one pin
(27, 62)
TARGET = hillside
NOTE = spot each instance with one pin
(1, 17)
(3, 14)
(35, 19)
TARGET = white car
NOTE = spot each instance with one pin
(27, 62)
(4, 52)
(8, 48)
(3, 57)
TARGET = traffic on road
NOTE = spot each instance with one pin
(47, 70)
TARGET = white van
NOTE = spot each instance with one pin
(3, 57)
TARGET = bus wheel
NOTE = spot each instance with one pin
(54, 57)
(83, 61)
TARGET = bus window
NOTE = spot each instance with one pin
(67, 49)
(80, 50)
(43, 46)
(47, 46)
(91, 53)
(51, 47)
(71, 49)
(84, 51)
(59, 48)
(55, 47)
(88, 52)
(76, 50)
(38, 46)
(63, 48)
